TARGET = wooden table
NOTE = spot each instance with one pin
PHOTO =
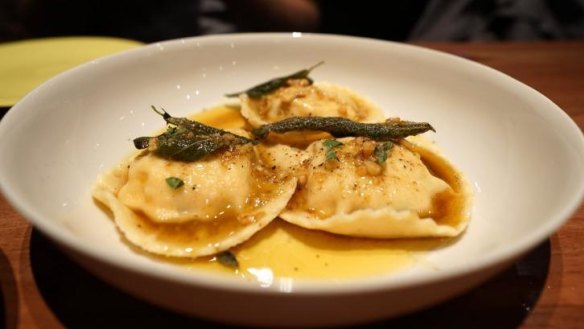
(41, 288)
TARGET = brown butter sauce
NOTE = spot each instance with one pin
(283, 250)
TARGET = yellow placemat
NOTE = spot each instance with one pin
(26, 64)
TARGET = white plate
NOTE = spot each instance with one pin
(522, 153)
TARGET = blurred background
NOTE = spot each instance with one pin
(398, 20)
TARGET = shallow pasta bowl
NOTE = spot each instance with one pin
(520, 152)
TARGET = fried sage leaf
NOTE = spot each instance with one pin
(275, 84)
(227, 258)
(341, 127)
(188, 140)
(194, 126)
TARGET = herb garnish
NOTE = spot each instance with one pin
(188, 140)
(382, 151)
(174, 182)
(341, 127)
(329, 148)
(228, 259)
(276, 83)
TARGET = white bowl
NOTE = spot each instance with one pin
(522, 154)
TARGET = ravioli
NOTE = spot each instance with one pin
(223, 200)
(301, 98)
(198, 190)
(400, 198)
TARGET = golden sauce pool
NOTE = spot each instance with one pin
(283, 250)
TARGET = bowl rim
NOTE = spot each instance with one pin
(515, 248)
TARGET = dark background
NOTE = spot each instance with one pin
(399, 20)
